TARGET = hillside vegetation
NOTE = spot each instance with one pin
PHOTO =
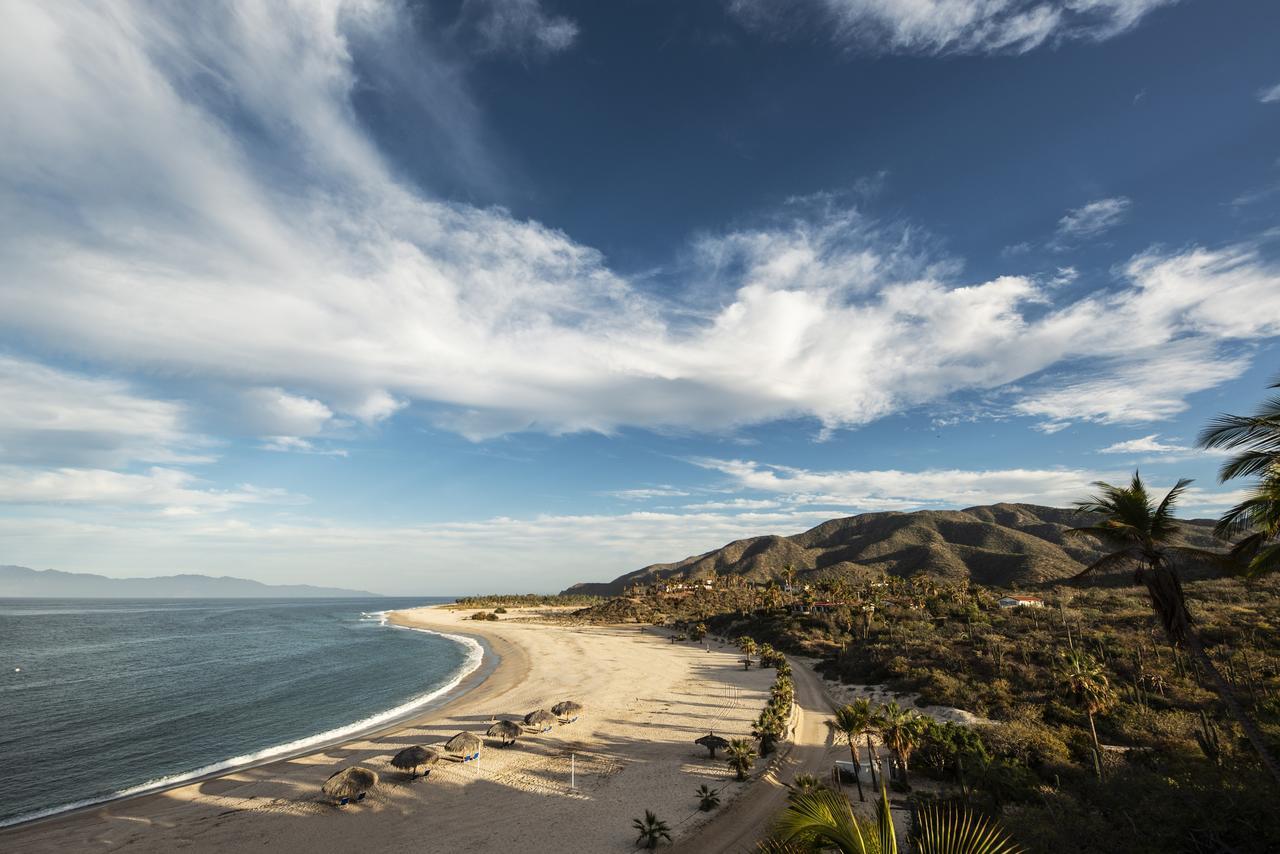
(1003, 544)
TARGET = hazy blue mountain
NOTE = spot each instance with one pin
(52, 584)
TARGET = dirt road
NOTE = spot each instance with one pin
(747, 819)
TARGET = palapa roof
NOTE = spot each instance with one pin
(463, 742)
(566, 708)
(542, 716)
(505, 729)
(415, 756)
(349, 782)
(712, 740)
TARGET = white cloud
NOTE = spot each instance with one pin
(1269, 95)
(1094, 218)
(518, 26)
(646, 493)
(1144, 445)
(296, 444)
(294, 266)
(48, 416)
(274, 411)
(954, 26)
(890, 489)
(176, 492)
(501, 554)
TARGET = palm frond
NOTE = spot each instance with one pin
(1162, 521)
(1249, 463)
(826, 818)
(888, 836)
(1234, 431)
(956, 830)
(1115, 560)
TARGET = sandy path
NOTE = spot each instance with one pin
(738, 826)
(646, 701)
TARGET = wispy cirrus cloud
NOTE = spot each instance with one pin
(173, 491)
(951, 26)
(295, 266)
(55, 417)
(523, 27)
(892, 489)
(1270, 94)
(1092, 219)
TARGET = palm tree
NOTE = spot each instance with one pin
(1141, 531)
(851, 721)
(651, 830)
(768, 729)
(825, 820)
(1256, 438)
(1079, 675)
(805, 783)
(741, 756)
(748, 646)
(900, 729)
(708, 798)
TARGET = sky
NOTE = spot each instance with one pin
(460, 296)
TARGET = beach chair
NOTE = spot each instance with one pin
(360, 797)
(342, 802)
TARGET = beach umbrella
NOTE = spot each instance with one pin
(413, 758)
(567, 709)
(712, 743)
(539, 718)
(508, 731)
(464, 742)
(349, 783)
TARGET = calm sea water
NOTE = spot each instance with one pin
(103, 697)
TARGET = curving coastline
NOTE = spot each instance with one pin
(646, 699)
(373, 724)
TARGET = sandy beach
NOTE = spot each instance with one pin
(646, 700)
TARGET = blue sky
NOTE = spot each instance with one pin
(464, 296)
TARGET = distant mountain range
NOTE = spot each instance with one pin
(1000, 545)
(17, 581)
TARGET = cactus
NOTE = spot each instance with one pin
(1207, 736)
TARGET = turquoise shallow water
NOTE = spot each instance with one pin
(104, 697)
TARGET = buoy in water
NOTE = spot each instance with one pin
(17, 670)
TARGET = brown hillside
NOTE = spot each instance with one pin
(1003, 544)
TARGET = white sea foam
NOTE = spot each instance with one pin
(474, 656)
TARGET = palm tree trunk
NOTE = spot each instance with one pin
(857, 773)
(1233, 705)
(871, 762)
(1097, 748)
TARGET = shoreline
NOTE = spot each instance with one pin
(454, 689)
(573, 788)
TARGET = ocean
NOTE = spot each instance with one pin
(102, 698)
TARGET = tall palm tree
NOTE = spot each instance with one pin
(900, 729)
(1141, 532)
(1256, 439)
(851, 721)
(741, 756)
(651, 829)
(1082, 677)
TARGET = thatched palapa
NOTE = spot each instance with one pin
(540, 718)
(508, 731)
(350, 782)
(712, 743)
(413, 758)
(567, 709)
(465, 743)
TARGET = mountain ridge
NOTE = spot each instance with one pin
(22, 581)
(998, 544)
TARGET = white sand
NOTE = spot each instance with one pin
(646, 701)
